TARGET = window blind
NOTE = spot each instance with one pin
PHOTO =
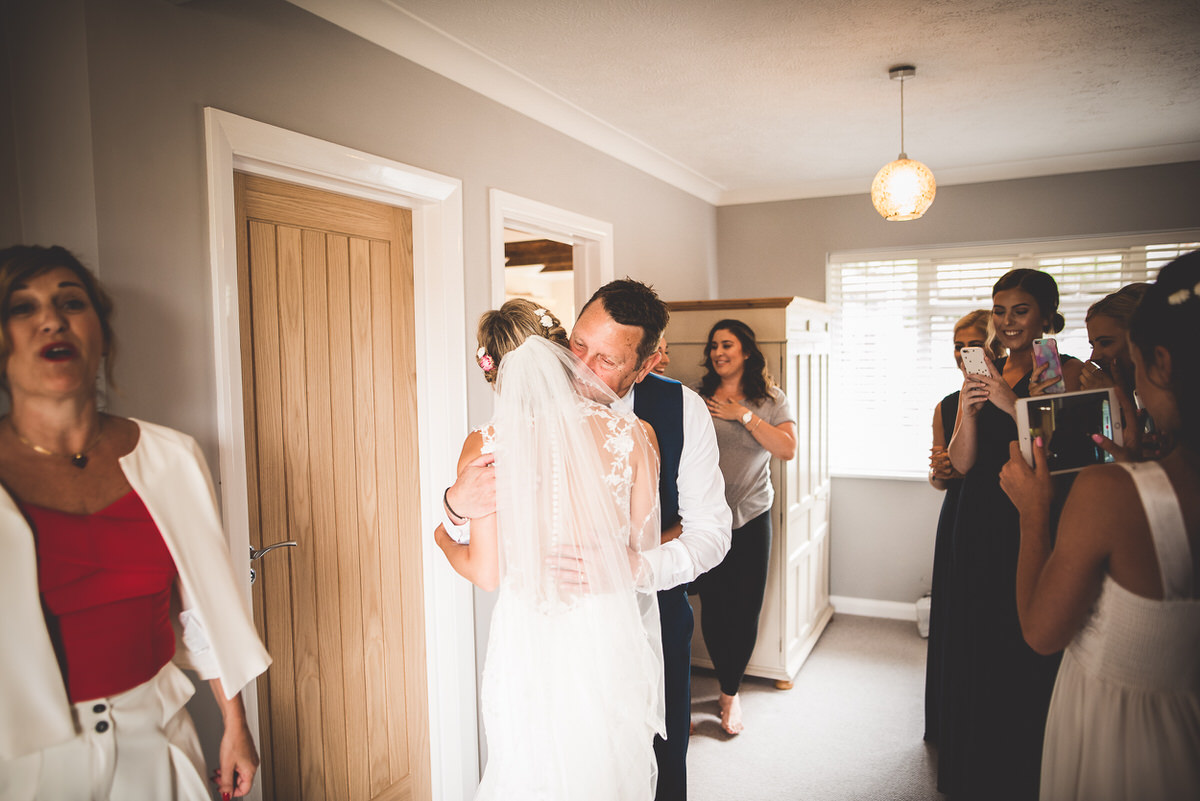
(894, 314)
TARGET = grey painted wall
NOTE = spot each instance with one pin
(770, 249)
(124, 101)
(882, 531)
(154, 66)
(48, 132)
(10, 207)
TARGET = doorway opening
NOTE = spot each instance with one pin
(554, 257)
(540, 270)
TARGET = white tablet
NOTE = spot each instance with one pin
(1066, 423)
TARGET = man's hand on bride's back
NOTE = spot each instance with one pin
(568, 565)
(586, 570)
(473, 493)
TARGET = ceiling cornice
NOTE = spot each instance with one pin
(387, 24)
(404, 34)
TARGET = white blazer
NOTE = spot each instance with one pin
(169, 474)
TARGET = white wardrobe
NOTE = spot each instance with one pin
(793, 334)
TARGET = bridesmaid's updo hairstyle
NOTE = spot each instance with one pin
(502, 330)
(1120, 305)
(1044, 290)
(1169, 317)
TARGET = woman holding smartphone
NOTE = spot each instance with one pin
(1121, 587)
(1111, 365)
(997, 688)
(969, 332)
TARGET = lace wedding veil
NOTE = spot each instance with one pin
(577, 494)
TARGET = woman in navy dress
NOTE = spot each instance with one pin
(969, 332)
(997, 688)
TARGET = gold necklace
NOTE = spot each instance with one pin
(79, 459)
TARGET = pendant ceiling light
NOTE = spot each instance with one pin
(904, 189)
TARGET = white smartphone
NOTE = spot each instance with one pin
(1066, 423)
(974, 362)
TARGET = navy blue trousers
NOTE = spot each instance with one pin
(675, 613)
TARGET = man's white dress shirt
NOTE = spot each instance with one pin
(706, 517)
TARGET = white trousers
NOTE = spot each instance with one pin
(139, 745)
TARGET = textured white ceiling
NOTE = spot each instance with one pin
(771, 99)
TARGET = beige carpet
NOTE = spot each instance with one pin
(850, 729)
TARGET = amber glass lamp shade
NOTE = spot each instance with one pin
(903, 189)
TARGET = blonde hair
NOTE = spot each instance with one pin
(502, 330)
(1120, 305)
(981, 320)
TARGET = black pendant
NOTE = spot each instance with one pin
(80, 460)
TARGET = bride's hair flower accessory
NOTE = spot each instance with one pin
(1183, 295)
(501, 330)
(485, 361)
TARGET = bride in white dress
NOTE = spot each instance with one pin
(1121, 587)
(572, 685)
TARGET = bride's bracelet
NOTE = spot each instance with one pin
(449, 508)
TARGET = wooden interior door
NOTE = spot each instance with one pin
(326, 293)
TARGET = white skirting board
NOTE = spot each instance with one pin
(868, 607)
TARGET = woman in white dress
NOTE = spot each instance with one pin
(1121, 587)
(572, 686)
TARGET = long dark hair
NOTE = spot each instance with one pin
(756, 383)
(1169, 317)
(1043, 289)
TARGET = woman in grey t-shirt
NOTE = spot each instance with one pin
(753, 422)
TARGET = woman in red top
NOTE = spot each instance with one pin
(108, 530)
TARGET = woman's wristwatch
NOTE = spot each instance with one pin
(747, 417)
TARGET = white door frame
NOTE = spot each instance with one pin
(234, 142)
(592, 241)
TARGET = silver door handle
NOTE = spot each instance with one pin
(258, 554)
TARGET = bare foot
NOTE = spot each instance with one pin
(731, 714)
